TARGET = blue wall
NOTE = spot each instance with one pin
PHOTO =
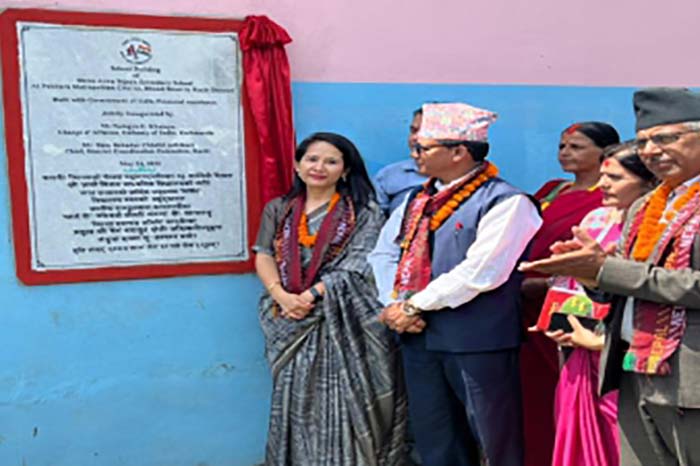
(149, 373)
(523, 140)
(170, 372)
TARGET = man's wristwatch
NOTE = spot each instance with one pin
(411, 309)
(314, 292)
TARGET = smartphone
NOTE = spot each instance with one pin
(559, 321)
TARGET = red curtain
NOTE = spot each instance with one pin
(268, 85)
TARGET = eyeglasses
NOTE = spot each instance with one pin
(661, 140)
(419, 149)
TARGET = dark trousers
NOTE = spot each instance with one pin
(653, 434)
(463, 405)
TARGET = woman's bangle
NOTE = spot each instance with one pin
(272, 285)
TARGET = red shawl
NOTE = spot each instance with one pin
(414, 271)
(566, 210)
(659, 328)
(334, 232)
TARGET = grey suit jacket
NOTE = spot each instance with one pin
(620, 278)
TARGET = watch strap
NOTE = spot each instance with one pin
(314, 292)
(411, 309)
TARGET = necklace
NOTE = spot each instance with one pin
(305, 239)
(444, 212)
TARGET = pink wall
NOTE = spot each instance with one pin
(596, 42)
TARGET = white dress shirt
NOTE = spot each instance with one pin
(502, 235)
(627, 330)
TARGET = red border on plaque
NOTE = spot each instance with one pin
(14, 136)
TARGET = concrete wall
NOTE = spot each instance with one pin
(170, 371)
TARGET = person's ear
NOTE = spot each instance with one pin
(458, 153)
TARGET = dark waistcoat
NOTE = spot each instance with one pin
(492, 320)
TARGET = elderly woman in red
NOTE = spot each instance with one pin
(564, 204)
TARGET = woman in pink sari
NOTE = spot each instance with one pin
(564, 204)
(586, 423)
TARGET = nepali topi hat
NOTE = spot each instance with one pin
(455, 122)
(656, 106)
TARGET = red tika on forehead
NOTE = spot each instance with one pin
(606, 162)
(572, 129)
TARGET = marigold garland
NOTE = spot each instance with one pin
(460, 196)
(305, 239)
(651, 227)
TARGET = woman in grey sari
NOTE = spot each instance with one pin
(338, 395)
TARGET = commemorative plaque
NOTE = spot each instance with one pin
(134, 148)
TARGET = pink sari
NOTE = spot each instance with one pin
(586, 424)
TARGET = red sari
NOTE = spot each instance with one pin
(539, 362)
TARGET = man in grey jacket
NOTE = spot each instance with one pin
(652, 347)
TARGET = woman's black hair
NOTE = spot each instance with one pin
(626, 154)
(355, 183)
(602, 134)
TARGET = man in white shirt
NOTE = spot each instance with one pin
(444, 266)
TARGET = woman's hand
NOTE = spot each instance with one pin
(308, 297)
(580, 337)
(294, 306)
(561, 338)
(583, 337)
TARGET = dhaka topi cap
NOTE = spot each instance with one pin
(656, 106)
(455, 122)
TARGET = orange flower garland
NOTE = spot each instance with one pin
(305, 239)
(460, 196)
(651, 227)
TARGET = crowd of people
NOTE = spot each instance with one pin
(439, 315)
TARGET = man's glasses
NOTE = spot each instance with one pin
(420, 149)
(661, 140)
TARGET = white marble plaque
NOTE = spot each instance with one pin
(134, 146)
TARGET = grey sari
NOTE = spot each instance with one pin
(338, 397)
